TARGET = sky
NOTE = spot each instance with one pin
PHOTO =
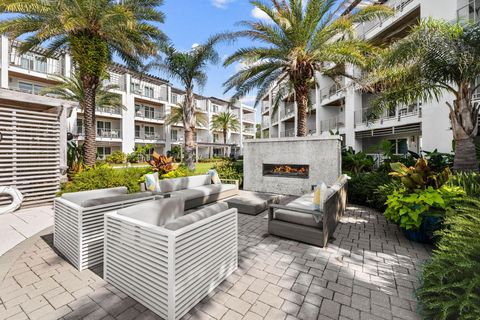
(189, 22)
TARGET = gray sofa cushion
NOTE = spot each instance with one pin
(81, 196)
(119, 198)
(304, 219)
(170, 185)
(196, 216)
(157, 212)
(203, 191)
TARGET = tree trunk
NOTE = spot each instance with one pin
(189, 127)
(89, 146)
(301, 93)
(464, 120)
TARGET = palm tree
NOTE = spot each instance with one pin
(302, 37)
(436, 59)
(93, 31)
(190, 68)
(225, 121)
(72, 89)
(177, 115)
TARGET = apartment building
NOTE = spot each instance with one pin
(339, 107)
(147, 100)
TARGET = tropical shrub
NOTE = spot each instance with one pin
(74, 158)
(469, 182)
(382, 193)
(161, 164)
(175, 152)
(362, 189)
(230, 170)
(409, 209)
(420, 176)
(117, 157)
(450, 286)
(356, 162)
(105, 177)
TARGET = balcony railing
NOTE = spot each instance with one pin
(109, 110)
(470, 11)
(117, 80)
(141, 135)
(148, 90)
(33, 61)
(369, 115)
(288, 111)
(249, 117)
(101, 133)
(327, 93)
(249, 130)
(265, 106)
(397, 5)
(331, 124)
(150, 114)
(287, 133)
(265, 123)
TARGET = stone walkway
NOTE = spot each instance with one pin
(369, 272)
(22, 224)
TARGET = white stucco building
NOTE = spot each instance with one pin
(147, 99)
(342, 108)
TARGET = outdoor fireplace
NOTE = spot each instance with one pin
(286, 170)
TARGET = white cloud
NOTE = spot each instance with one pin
(195, 45)
(248, 100)
(222, 4)
(259, 14)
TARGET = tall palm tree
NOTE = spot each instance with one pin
(225, 121)
(190, 68)
(70, 88)
(177, 115)
(301, 38)
(437, 59)
(93, 31)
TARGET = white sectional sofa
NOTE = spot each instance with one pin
(166, 260)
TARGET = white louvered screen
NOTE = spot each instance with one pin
(30, 154)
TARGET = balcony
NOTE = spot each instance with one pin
(116, 80)
(248, 117)
(368, 116)
(151, 136)
(102, 134)
(115, 111)
(287, 111)
(287, 133)
(249, 130)
(265, 123)
(265, 106)
(149, 114)
(470, 11)
(148, 90)
(332, 93)
(35, 61)
(332, 124)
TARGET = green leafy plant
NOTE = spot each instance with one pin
(117, 157)
(161, 164)
(450, 286)
(139, 154)
(362, 189)
(104, 176)
(230, 170)
(74, 158)
(469, 182)
(175, 152)
(409, 209)
(382, 192)
(420, 176)
(356, 162)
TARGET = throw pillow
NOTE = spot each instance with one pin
(214, 176)
(152, 183)
(319, 196)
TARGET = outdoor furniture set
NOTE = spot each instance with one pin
(164, 258)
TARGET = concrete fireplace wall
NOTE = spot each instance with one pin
(323, 155)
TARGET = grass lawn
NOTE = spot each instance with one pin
(203, 167)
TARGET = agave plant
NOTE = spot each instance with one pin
(420, 176)
(161, 164)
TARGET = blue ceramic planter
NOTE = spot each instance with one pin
(425, 234)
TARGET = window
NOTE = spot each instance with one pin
(103, 152)
(103, 128)
(216, 138)
(174, 98)
(32, 62)
(137, 131)
(135, 87)
(215, 108)
(149, 112)
(149, 132)
(174, 135)
(79, 126)
(399, 146)
(30, 87)
(148, 91)
(40, 64)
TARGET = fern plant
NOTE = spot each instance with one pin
(451, 279)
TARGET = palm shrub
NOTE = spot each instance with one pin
(190, 69)
(469, 182)
(362, 189)
(450, 286)
(301, 38)
(93, 32)
(356, 162)
(437, 59)
(117, 157)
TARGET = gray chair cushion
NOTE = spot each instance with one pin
(303, 202)
(170, 185)
(119, 198)
(304, 219)
(203, 191)
(157, 212)
(196, 216)
(81, 196)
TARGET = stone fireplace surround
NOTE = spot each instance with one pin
(322, 155)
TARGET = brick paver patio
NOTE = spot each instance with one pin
(369, 272)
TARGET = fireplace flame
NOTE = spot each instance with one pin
(288, 169)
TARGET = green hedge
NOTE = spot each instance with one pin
(362, 189)
(451, 279)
